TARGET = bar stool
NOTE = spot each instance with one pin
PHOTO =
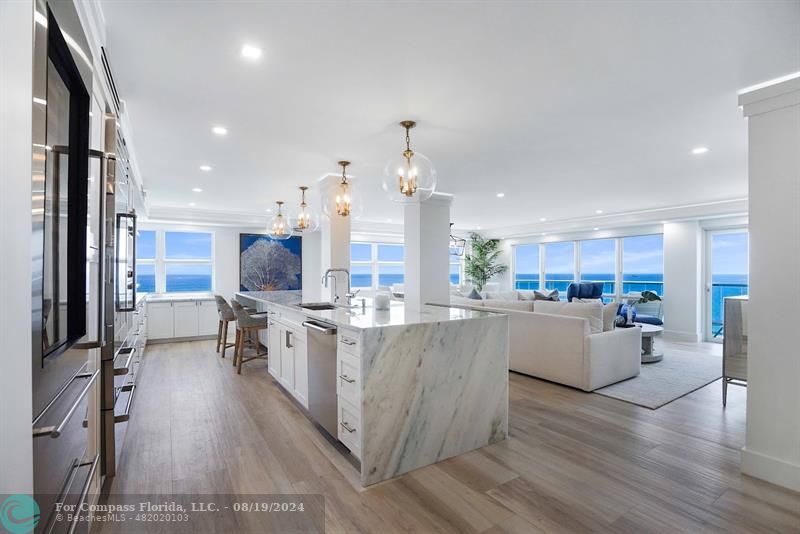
(246, 325)
(225, 316)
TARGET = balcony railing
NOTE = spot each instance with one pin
(719, 292)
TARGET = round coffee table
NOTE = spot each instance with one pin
(649, 333)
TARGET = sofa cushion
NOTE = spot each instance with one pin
(525, 295)
(592, 312)
(518, 305)
(503, 295)
(649, 319)
(610, 316)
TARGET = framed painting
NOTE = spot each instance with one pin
(270, 265)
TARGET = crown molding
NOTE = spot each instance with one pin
(699, 211)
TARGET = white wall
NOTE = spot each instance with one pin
(16, 96)
(683, 280)
(772, 446)
(226, 253)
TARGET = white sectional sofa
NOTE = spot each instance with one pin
(568, 343)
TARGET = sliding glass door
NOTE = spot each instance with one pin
(726, 275)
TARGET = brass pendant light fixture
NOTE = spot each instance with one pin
(343, 199)
(279, 227)
(305, 220)
(411, 178)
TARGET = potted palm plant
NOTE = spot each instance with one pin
(481, 264)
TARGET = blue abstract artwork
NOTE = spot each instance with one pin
(270, 265)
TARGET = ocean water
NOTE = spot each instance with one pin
(176, 283)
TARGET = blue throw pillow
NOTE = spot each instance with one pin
(474, 295)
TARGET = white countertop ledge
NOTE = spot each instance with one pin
(362, 319)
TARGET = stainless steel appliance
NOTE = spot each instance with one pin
(65, 278)
(322, 374)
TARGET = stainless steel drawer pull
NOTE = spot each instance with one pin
(319, 328)
(55, 431)
(347, 379)
(84, 494)
(347, 427)
(119, 371)
(127, 415)
(347, 341)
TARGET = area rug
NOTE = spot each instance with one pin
(660, 383)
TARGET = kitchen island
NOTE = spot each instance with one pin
(413, 387)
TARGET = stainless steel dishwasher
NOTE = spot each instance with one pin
(322, 374)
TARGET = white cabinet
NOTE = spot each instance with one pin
(274, 349)
(287, 358)
(185, 319)
(182, 319)
(160, 320)
(207, 318)
(301, 370)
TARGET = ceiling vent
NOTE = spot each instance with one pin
(110, 80)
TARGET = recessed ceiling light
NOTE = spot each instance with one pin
(477, 227)
(544, 233)
(191, 204)
(542, 219)
(699, 150)
(268, 210)
(595, 229)
(251, 52)
(500, 195)
(205, 168)
(599, 212)
(664, 222)
(220, 130)
(197, 190)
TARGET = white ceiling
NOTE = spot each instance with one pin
(567, 108)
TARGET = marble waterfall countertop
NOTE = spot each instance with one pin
(360, 318)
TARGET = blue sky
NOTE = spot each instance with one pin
(729, 253)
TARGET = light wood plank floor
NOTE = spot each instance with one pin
(574, 462)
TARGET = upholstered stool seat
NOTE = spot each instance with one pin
(226, 315)
(246, 325)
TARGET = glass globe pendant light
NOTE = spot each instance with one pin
(411, 177)
(305, 220)
(279, 227)
(343, 199)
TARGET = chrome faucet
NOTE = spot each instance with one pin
(329, 274)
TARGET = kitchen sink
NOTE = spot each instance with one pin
(317, 305)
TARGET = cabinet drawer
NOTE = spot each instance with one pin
(350, 428)
(348, 384)
(349, 343)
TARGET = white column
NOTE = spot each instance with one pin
(772, 444)
(427, 251)
(16, 97)
(683, 281)
(335, 242)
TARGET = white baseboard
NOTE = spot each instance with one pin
(774, 470)
(684, 337)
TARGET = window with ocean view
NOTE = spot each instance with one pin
(174, 262)
(599, 263)
(374, 265)
(526, 267)
(145, 261)
(641, 267)
(559, 266)
(729, 273)
(643, 264)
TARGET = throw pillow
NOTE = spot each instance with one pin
(474, 295)
(551, 294)
(586, 301)
(609, 316)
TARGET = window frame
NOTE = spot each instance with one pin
(618, 295)
(161, 261)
